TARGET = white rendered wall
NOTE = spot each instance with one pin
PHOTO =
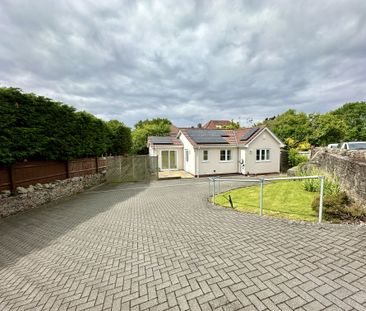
(264, 141)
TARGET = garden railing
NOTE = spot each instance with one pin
(215, 186)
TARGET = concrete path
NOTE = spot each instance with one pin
(174, 174)
(160, 247)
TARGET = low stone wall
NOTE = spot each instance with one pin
(39, 194)
(348, 165)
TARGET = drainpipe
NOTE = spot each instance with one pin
(238, 166)
(198, 162)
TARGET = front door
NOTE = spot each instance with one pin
(242, 162)
(168, 160)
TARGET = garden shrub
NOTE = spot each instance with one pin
(331, 184)
(294, 158)
(339, 207)
(304, 146)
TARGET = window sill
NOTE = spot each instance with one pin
(226, 161)
(261, 161)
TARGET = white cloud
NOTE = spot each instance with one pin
(188, 61)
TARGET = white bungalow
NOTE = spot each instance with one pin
(201, 151)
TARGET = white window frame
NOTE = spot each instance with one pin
(227, 153)
(186, 154)
(203, 155)
(267, 155)
(169, 168)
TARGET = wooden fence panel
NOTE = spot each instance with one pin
(102, 164)
(82, 167)
(32, 172)
(5, 182)
(23, 174)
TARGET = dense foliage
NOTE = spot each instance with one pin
(232, 126)
(354, 115)
(331, 183)
(347, 123)
(339, 208)
(295, 158)
(36, 127)
(120, 138)
(145, 128)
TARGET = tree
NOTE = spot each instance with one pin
(354, 115)
(326, 128)
(145, 128)
(232, 126)
(120, 138)
(291, 124)
(160, 122)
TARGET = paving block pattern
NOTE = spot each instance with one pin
(160, 246)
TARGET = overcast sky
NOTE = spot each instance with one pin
(189, 61)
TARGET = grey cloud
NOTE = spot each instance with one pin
(190, 61)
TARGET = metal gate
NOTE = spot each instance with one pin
(132, 168)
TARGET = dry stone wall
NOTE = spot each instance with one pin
(39, 194)
(348, 165)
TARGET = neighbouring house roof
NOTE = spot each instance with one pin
(164, 140)
(173, 130)
(216, 124)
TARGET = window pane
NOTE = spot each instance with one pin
(222, 155)
(228, 155)
(172, 157)
(267, 154)
(263, 156)
(164, 160)
(258, 154)
(205, 155)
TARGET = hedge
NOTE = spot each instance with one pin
(38, 128)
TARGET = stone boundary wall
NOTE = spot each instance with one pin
(348, 165)
(39, 194)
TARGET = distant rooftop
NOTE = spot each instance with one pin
(216, 124)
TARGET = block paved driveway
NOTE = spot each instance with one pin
(160, 246)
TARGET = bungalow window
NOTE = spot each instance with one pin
(225, 155)
(205, 155)
(263, 155)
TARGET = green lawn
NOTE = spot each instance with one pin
(283, 199)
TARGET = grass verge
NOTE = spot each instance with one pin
(282, 199)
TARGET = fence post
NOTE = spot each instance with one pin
(209, 187)
(261, 198)
(96, 165)
(214, 191)
(321, 198)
